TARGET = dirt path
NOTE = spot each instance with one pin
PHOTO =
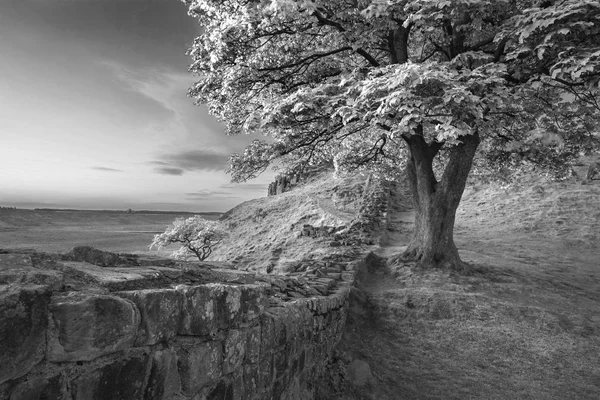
(525, 326)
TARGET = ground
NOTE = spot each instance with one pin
(524, 325)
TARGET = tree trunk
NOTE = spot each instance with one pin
(432, 245)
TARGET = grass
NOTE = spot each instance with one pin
(525, 324)
(59, 231)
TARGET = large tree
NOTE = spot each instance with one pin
(399, 83)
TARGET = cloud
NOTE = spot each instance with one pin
(106, 169)
(207, 193)
(245, 186)
(191, 160)
(169, 171)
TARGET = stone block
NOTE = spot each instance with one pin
(251, 378)
(160, 311)
(46, 388)
(235, 349)
(213, 306)
(281, 362)
(223, 390)
(198, 310)
(254, 301)
(87, 326)
(23, 322)
(199, 365)
(265, 370)
(115, 279)
(121, 379)
(19, 269)
(164, 382)
(93, 256)
(267, 337)
(253, 343)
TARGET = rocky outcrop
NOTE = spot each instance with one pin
(282, 183)
(122, 328)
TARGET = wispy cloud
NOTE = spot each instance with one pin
(207, 192)
(192, 160)
(106, 169)
(165, 88)
(168, 171)
(245, 186)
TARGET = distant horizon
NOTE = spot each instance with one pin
(123, 210)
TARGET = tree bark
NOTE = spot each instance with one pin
(432, 245)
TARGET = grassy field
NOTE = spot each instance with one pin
(524, 324)
(59, 230)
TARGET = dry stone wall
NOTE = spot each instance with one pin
(94, 325)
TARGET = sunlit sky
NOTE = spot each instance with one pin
(94, 113)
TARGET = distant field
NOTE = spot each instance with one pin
(59, 230)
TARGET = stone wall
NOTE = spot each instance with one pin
(94, 325)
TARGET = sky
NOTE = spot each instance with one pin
(94, 112)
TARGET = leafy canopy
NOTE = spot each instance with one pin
(196, 235)
(351, 80)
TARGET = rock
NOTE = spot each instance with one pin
(93, 256)
(199, 365)
(164, 382)
(23, 322)
(160, 311)
(19, 269)
(235, 349)
(122, 379)
(252, 352)
(51, 388)
(117, 279)
(87, 326)
(359, 373)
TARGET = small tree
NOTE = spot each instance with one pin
(197, 236)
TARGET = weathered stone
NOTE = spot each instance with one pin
(164, 381)
(51, 388)
(23, 322)
(198, 311)
(207, 308)
(280, 362)
(19, 269)
(121, 379)
(279, 387)
(116, 279)
(359, 373)
(223, 390)
(235, 349)
(199, 365)
(14, 261)
(160, 311)
(93, 256)
(251, 378)
(86, 326)
(254, 301)
(253, 344)
(265, 370)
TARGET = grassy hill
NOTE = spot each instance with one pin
(266, 233)
(524, 325)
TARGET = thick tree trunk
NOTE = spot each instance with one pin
(436, 202)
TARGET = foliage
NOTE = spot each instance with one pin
(344, 80)
(435, 86)
(197, 236)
